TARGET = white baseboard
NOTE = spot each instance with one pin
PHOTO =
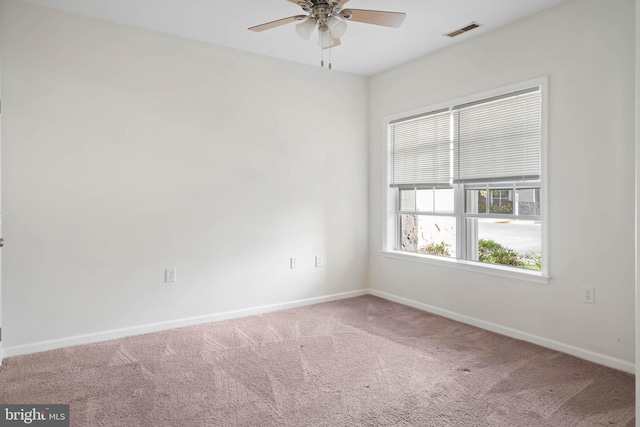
(172, 324)
(612, 362)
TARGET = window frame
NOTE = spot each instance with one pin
(391, 230)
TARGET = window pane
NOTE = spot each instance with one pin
(407, 200)
(425, 200)
(475, 201)
(501, 201)
(528, 201)
(514, 242)
(444, 200)
(434, 235)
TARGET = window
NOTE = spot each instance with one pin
(466, 181)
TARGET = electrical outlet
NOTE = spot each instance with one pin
(293, 262)
(170, 275)
(319, 261)
(588, 295)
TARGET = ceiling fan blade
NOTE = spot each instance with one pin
(377, 17)
(273, 24)
(336, 42)
(343, 1)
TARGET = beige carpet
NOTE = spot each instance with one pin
(357, 362)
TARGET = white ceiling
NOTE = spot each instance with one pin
(365, 50)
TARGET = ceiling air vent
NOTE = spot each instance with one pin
(469, 27)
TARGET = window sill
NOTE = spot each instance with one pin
(482, 268)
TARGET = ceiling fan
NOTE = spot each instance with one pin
(330, 18)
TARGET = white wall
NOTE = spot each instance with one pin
(586, 48)
(125, 152)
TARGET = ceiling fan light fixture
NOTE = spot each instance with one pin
(305, 28)
(337, 27)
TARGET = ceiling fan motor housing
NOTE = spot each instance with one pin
(321, 10)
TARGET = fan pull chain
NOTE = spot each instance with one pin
(322, 48)
(322, 57)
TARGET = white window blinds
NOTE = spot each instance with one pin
(421, 150)
(496, 139)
